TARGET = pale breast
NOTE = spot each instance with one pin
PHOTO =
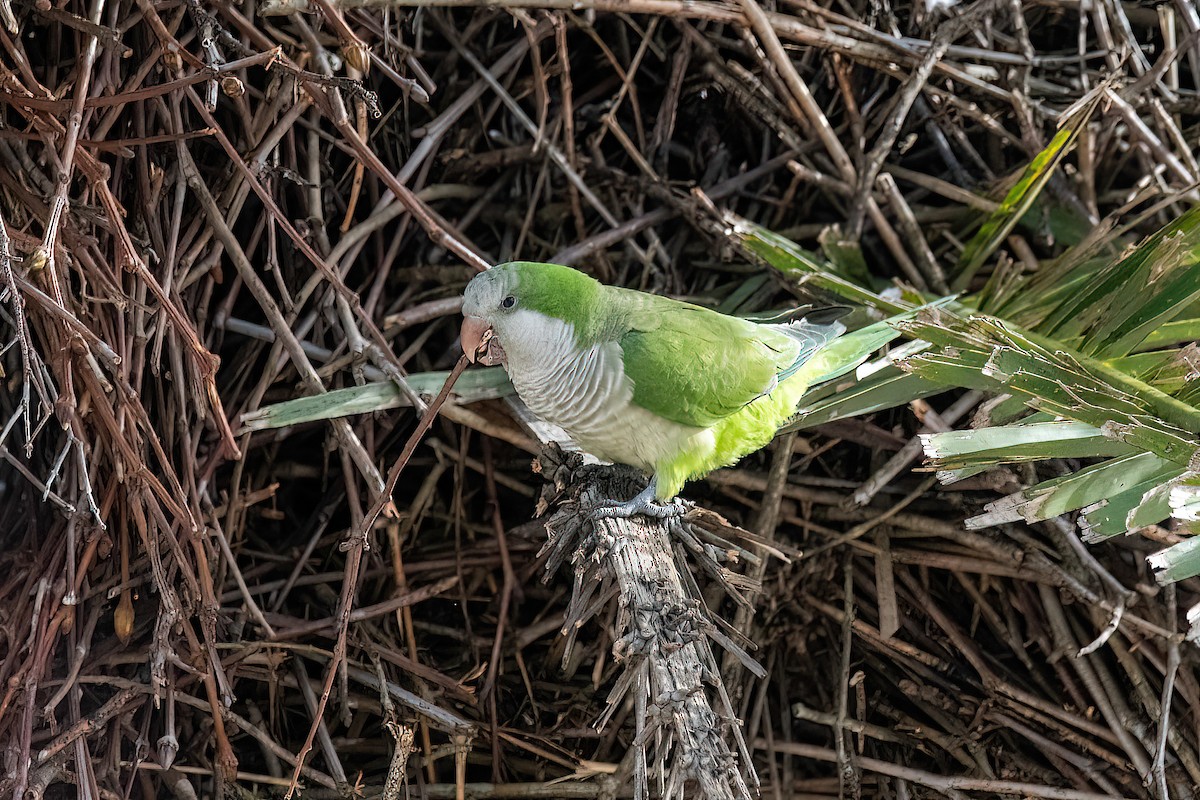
(586, 393)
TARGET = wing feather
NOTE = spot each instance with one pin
(695, 366)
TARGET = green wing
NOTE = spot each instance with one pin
(696, 366)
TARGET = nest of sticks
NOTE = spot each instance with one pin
(207, 207)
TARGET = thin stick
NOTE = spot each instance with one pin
(355, 544)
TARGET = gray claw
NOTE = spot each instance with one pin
(645, 504)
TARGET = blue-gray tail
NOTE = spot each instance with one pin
(812, 336)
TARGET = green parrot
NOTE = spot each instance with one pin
(674, 389)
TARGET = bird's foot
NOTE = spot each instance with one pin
(645, 504)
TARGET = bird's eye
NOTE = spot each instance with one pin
(508, 302)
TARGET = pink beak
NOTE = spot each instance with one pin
(474, 336)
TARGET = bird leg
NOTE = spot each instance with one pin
(645, 503)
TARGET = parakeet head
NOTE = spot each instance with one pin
(514, 303)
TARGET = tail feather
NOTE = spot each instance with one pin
(812, 337)
(851, 350)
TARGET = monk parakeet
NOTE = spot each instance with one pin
(671, 388)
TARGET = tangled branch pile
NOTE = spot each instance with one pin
(208, 207)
